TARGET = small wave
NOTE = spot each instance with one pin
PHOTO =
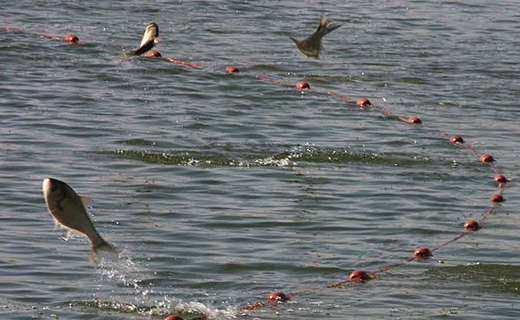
(297, 156)
(124, 270)
(162, 308)
(492, 277)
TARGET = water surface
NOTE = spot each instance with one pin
(219, 189)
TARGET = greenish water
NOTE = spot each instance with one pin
(219, 189)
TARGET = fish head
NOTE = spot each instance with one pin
(59, 195)
(151, 32)
(152, 29)
(53, 190)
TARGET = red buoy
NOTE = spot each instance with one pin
(500, 179)
(414, 120)
(232, 70)
(486, 158)
(278, 296)
(363, 102)
(301, 85)
(359, 276)
(456, 139)
(471, 225)
(71, 38)
(423, 252)
(496, 198)
(152, 54)
(173, 317)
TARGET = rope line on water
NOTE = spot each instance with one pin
(356, 276)
(157, 54)
(422, 252)
(70, 38)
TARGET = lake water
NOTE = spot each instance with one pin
(219, 189)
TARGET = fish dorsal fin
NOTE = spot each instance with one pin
(87, 201)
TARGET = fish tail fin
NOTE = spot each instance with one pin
(100, 249)
(99, 244)
(324, 27)
(103, 246)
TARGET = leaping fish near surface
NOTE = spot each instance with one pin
(312, 45)
(65, 205)
(150, 38)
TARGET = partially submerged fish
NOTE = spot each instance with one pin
(150, 38)
(311, 46)
(66, 207)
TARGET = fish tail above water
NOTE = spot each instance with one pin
(102, 249)
(324, 27)
(149, 39)
(103, 246)
(99, 244)
(312, 45)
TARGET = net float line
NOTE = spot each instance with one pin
(363, 102)
(272, 299)
(358, 275)
(469, 226)
(280, 82)
(176, 317)
(422, 252)
(232, 70)
(300, 85)
(69, 38)
(419, 254)
(157, 54)
(74, 39)
(184, 63)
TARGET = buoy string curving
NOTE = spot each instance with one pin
(357, 276)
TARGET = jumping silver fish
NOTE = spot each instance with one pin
(150, 38)
(66, 207)
(311, 46)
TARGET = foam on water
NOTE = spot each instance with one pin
(296, 156)
(120, 269)
(123, 270)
